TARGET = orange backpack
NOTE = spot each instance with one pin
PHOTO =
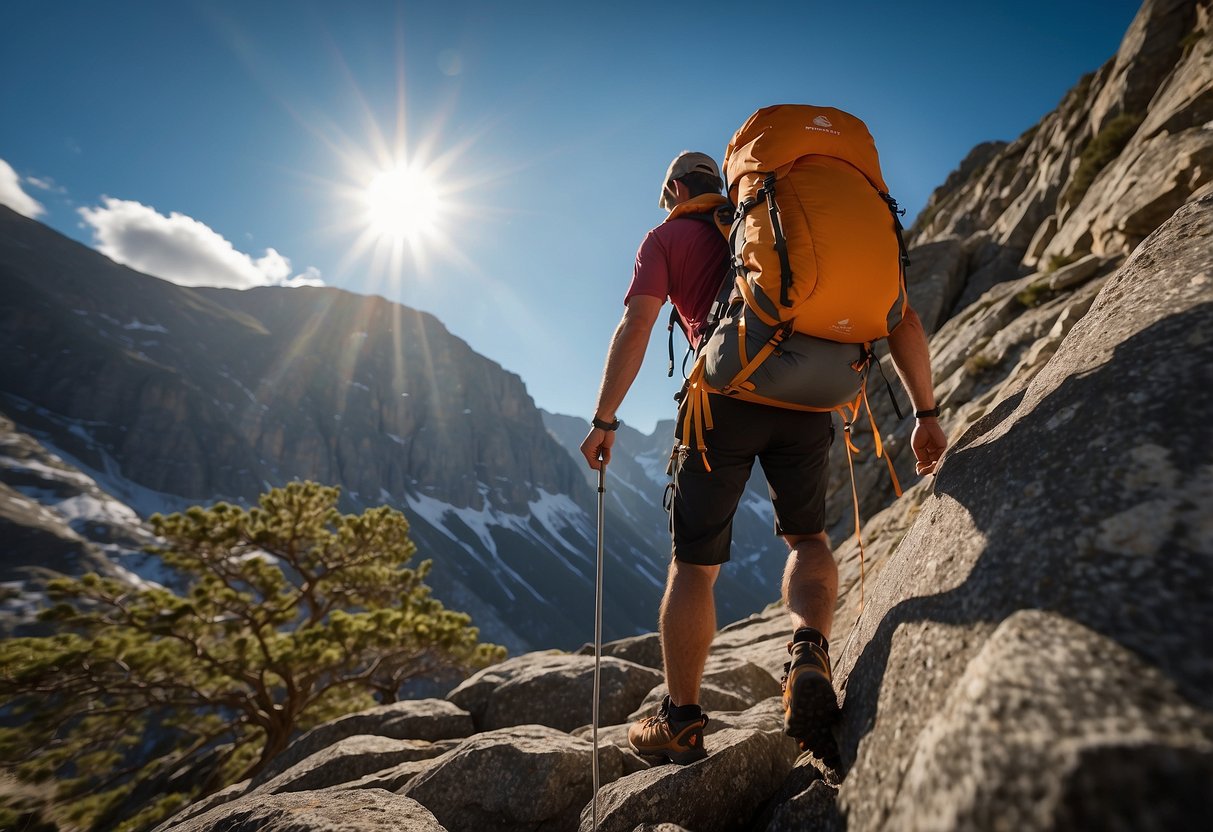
(819, 264)
(818, 271)
(824, 256)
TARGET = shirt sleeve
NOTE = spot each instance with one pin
(651, 275)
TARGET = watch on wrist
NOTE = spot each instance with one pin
(601, 425)
(927, 414)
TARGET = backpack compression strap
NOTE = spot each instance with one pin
(897, 212)
(765, 193)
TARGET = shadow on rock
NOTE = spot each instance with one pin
(1088, 498)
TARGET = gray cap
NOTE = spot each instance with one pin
(688, 161)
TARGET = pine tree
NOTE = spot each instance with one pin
(280, 618)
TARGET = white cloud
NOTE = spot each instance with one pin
(13, 196)
(309, 277)
(183, 250)
(45, 183)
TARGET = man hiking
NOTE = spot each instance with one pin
(684, 259)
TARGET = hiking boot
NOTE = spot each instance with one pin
(665, 738)
(809, 704)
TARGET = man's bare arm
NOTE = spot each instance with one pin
(908, 346)
(623, 362)
(912, 358)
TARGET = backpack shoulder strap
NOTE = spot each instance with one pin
(717, 211)
(701, 206)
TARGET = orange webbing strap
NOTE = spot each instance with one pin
(698, 416)
(853, 406)
(748, 370)
(879, 444)
(741, 350)
(852, 450)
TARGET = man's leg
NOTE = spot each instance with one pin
(796, 465)
(702, 506)
(810, 590)
(688, 624)
(810, 582)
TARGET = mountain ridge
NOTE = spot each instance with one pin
(168, 396)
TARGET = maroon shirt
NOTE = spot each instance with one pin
(683, 260)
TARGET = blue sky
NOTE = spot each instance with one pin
(239, 138)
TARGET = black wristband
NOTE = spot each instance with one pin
(601, 425)
(926, 414)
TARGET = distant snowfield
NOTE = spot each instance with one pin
(98, 502)
(654, 466)
(47, 472)
(87, 508)
(553, 521)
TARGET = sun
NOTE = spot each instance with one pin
(404, 204)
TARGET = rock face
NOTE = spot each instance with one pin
(1124, 149)
(554, 690)
(1046, 611)
(356, 811)
(515, 779)
(54, 517)
(429, 720)
(1122, 152)
(531, 776)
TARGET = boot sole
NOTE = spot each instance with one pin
(811, 713)
(678, 758)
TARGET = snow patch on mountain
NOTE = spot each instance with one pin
(87, 508)
(439, 514)
(46, 472)
(760, 506)
(137, 324)
(654, 466)
(557, 513)
(553, 522)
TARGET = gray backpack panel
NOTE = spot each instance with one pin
(806, 371)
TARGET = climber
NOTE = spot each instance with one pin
(683, 259)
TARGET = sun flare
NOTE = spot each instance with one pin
(402, 197)
(404, 203)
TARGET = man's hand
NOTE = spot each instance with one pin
(597, 447)
(908, 347)
(929, 443)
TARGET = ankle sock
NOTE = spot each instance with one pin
(812, 635)
(685, 713)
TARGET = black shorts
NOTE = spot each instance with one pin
(794, 449)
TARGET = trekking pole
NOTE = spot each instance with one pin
(598, 632)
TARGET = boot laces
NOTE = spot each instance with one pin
(663, 716)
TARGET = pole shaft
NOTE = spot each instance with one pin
(598, 631)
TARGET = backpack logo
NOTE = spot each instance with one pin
(821, 124)
(842, 327)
